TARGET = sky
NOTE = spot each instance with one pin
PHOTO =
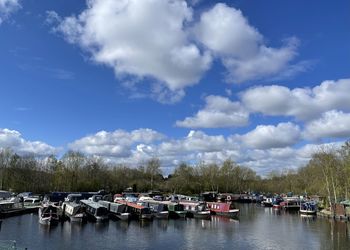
(263, 83)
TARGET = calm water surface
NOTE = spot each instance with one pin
(257, 228)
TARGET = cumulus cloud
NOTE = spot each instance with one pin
(334, 124)
(139, 38)
(218, 112)
(158, 41)
(138, 146)
(7, 7)
(228, 34)
(280, 159)
(13, 139)
(194, 148)
(302, 103)
(269, 136)
(114, 144)
(195, 141)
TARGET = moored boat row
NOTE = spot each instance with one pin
(126, 207)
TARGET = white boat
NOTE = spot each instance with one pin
(268, 202)
(73, 211)
(308, 208)
(48, 214)
(11, 207)
(32, 202)
(5, 194)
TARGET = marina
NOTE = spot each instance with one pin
(174, 124)
(257, 228)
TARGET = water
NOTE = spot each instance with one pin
(257, 228)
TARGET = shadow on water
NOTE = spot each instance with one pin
(121, 226)
(48, 229)
(145, 223)
(162, 224)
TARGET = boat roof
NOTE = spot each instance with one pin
(6, 202)
(91, 203)
(32, 198)
(72, 204)
(131, 204)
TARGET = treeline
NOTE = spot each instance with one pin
(327, 174)
(77, 172)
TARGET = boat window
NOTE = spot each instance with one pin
(179, 207)
(145, 210)
(101, 211)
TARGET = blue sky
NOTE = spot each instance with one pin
(265, 83)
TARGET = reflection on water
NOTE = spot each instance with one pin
(337, 232)
(257, 228)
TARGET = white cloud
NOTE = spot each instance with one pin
(7, 7)
(114, 144)
(13, 139)
(218, 112)
(334, 124)
(308, 150)
(52, 17)
(228, 34)
(158, 41)
(302, 103)
(269, 136)
(136, 147)
(139, 38)
(198, 141)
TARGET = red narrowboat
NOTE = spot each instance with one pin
(223, 208)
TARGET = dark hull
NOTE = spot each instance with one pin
(291, 208)
(175, 215)
(267, 204)
(244, 200)
(15, 212)
(198, 215)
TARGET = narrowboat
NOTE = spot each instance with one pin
(176, 210)
(74, 211)
(244, 198)
(48, 214)
(11, 207)
(95, 211)
(308, 208)
(209, 196)
(116, 210)
(277, 203)
(158, 209)
(268, 202)
(223, 208)
(137, 211)
(291, 204)
(32, 202)
(196, 209)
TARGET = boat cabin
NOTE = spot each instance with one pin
(136, 210)
(32, 201)
(95, 210)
